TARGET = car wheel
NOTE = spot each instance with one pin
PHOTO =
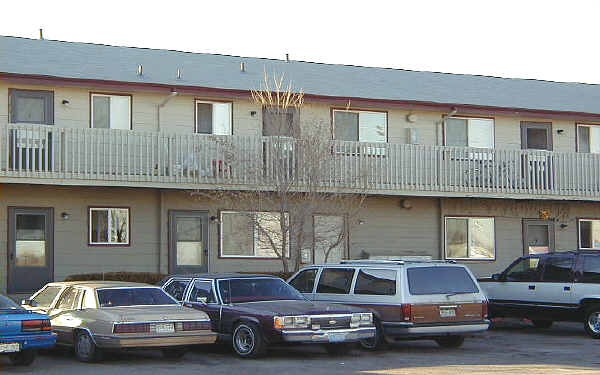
(85, 349)
(248, 340)
(22, 358)
(450, 341)
(338, 349)
(592, 322)
(376, 342)
(543, 324)
(174, 353)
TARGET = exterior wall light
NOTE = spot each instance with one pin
(65, 216)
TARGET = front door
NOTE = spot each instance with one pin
(30, 248)
(538, 236)
(188, 241)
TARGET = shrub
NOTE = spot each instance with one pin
(136, 277)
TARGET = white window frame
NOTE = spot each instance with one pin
(359, 112)
(468, 218)
(200, 101)
(591, 126)
(493, 143)
(109, 226)
(110, 96)
(579, 235)
(255, 236)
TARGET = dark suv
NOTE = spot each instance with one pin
(549, 287)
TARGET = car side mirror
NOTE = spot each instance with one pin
(498, 277)
(29, 302)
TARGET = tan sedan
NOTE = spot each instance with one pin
(95, 315)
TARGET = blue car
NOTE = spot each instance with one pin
(23, 332)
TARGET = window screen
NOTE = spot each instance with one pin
(31, 106)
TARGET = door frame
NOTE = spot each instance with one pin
(551, 236)
(11, 227)
(536, 125)
(171, 231)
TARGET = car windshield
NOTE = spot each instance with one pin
(440, 280)
(8, 304)
(115, 297)
(254, 290)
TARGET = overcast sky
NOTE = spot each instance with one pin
(553, 40)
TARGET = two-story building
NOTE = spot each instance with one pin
(100, 146)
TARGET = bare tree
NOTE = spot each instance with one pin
(297, 162)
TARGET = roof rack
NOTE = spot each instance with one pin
(393, 261)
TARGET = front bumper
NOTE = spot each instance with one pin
(327, 336)
(130, 341)
(46, 340)
(395, 329)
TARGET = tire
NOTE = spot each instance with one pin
(542, 324)
(174, 353)
(247, 340)
(450, 341)
(338, 349)
(22, 358)
(591, 322)
(375, 343)
(85, 348)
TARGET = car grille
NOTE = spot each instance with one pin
(331, 322)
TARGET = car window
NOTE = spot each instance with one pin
(176, 288)
(113, 297)
(8, 304)
(376, 282)
(591, 269)
(335, 280)
(202, 291)
(254, 290)
(524, 270)
(46, 296)
(440, 280)
(558, 269)
(305, 280)
(67, 299)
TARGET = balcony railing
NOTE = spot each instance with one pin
(40, 152)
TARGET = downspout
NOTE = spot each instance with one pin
(162, 104)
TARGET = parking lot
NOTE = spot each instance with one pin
(513, 348)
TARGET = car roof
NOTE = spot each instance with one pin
(216, 276)
(392, 264)
(99, 284)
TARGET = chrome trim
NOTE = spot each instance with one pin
(322, 336)
(160, 321)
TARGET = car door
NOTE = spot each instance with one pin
(555, 291)
(202, 296)
(304, 282)
(334, 284)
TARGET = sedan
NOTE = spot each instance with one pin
(93, 316)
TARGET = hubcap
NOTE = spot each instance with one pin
(244, 339)
(594, 322)
(84, 346)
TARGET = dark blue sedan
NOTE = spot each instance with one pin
(23, 332)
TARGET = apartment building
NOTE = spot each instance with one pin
(100, 147)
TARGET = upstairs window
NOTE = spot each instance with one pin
(31, 106)
(281, 122)
(213, 118)
(469, 132)
(588, 138)
(360, 126)
(111, 111)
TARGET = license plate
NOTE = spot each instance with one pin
(336, 337)
(165, 328)
(447, 313)
(11, 347)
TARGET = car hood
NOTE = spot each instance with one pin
(296, 307)
(152, 313)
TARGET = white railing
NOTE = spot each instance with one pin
(39, 151)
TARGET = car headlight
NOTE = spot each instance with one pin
(366, 319)
(355, 320)
(290, 322)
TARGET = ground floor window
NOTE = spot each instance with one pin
(470, 238)
(252, 235)
(108, 226)
(589, 234)
(329, 238)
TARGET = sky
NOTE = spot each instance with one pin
(551, 40)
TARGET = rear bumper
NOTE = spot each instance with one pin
(399, 329)
(122, 341)
(31, 341)
(327, 336)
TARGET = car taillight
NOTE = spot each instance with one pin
(407, 312)
(36, 325)
(484, 309)
(131, 328)
(193, 326)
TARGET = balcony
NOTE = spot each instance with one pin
(102, 157)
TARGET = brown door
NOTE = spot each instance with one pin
(538, 236)
(30, 249)
(188, 241)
